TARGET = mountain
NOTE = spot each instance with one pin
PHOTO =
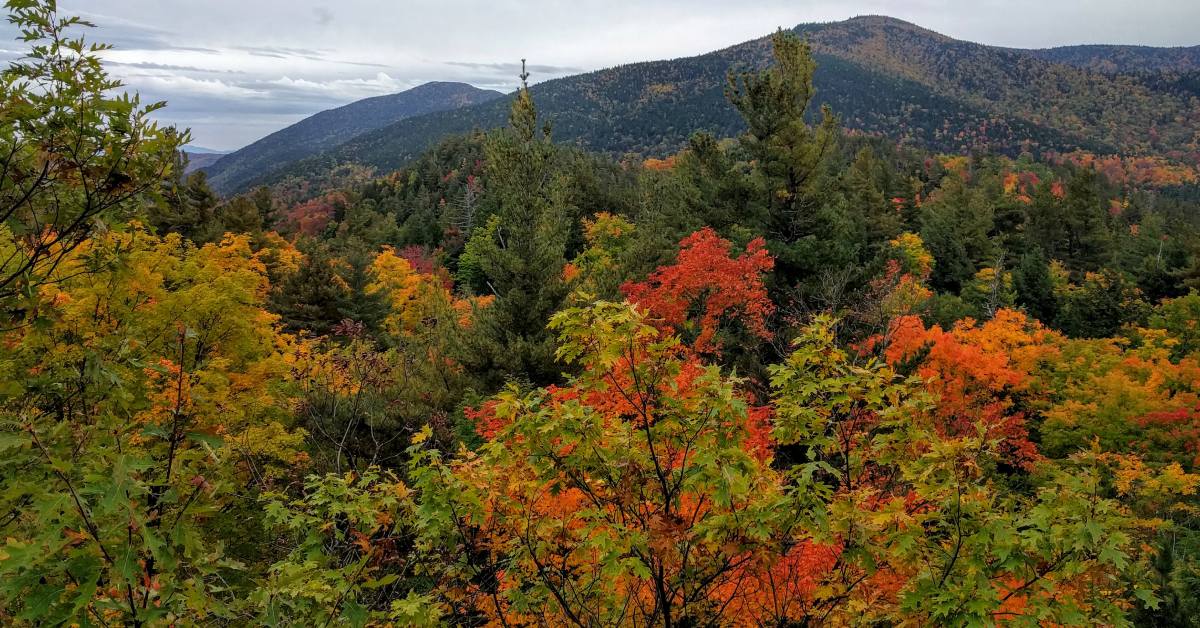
(200, 158)
(200, 150)
(1125, 59)
(330, 128)
(880, 75)
(1121, 111)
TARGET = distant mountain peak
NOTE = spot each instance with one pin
(327, 129)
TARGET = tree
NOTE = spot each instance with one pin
(879, 221)
(955, 224)
(1069, 222)
(308, 300)
(521, 251)
(707, 281)
(789, 160)
(645, 491)
(979, 372)
(1180, 318)
(1100, 305)
(637, 493)
(1034, 286)
(75, 152)
(133, 417)
(188, 206)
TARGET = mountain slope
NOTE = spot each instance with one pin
(200, 159)
(1125, 59)
(329, 128)
(880, 75)
(1119, 110)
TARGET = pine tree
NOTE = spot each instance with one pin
(878, 222)
(520, 254)
(955, 225)
(806, 225)
(1035, 287)
(309, 300)
(787, 152)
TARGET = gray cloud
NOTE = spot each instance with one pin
(514, 69)
(149, 65)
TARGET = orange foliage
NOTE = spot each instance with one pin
(660, 164)
(777, 590)
(976, 371)
(1135, 171)
(311, 217)
(705, 277)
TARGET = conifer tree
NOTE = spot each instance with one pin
(309, 300)
(521, 252)
(789, 158)
(878, 222)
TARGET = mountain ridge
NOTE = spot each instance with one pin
(331, 127)
(882, 75)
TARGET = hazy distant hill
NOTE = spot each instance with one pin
(881, 75)
(201, 158)
(330, 128)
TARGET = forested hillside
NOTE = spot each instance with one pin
(883, 77)
(1125, 59)
(788, 376)
(330, 128)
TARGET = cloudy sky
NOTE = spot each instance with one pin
(236, 70)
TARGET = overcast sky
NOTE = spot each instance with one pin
(236, 70)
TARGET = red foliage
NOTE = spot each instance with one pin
(782, 590)
(311, 217)
(487, 424)
(1173, 435)
(706, 278)
(423, 263)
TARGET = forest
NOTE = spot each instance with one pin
(799, 376)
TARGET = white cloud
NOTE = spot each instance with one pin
(180, 84)
(380, 84)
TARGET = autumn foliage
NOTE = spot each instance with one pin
(707, 280)
(791, 378)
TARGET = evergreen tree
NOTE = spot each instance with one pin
(805, 227)
(521, 253)
(955, 225)
(1070, 222)
(877, 221)
(1034, 286)
(356, 302)
(1088, 244)
(188, 205)
(310, 299)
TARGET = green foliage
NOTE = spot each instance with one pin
(955, 226)
(126, 415)
(1180, 318)
(75, 154)
(348, 530)
(521, 253)
(1100, 306)
(1034, 286)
